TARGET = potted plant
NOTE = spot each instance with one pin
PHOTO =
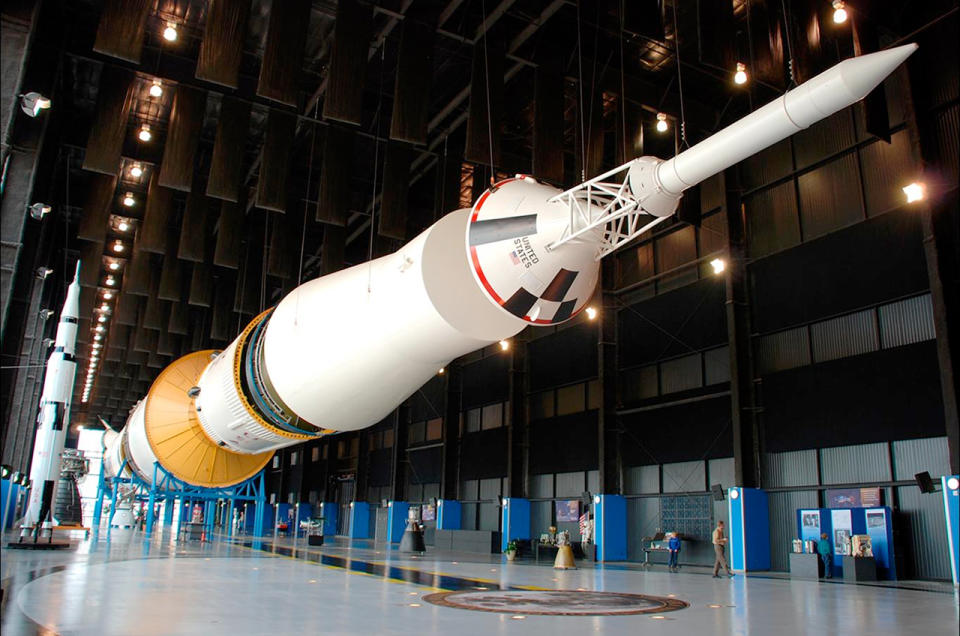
(511, 551)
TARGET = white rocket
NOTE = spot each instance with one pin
(342, 351)
(53, 421)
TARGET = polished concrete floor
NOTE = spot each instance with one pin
(129, 585)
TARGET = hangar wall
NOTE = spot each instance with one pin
(841, 348)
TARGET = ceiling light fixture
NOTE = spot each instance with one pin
(33, 103)
(156, 88)
(43, 272)
(136, 171)
(45, 314)
(128, 200)
(123, 226)
(107, 295)
(718, 265)
(839, 12)
(145, 134)
(662, 122)
(504, 345)
(740, 77)
(114, 266)
(111, 281)
(39, 210)
(98, 337)
(916, 191)
(591, 313)
(117, 247)
(170, 33)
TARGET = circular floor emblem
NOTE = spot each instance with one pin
(556, 602)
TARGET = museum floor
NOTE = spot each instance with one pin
(132, 586)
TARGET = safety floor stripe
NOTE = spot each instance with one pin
(394, 573)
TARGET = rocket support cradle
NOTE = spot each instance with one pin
(342, 351)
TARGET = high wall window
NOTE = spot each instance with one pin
(882, 327)
(573, 398)
(683, 373)
(483, 418)
(315, 454)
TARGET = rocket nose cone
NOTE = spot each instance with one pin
(862, 74)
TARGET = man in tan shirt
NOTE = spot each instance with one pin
(719, 549)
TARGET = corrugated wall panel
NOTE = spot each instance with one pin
(783, 350)
(716, 364)
(570, 484)
(641, 479)
(685, 477)
(720, 471)
(844, 336)
(541, 485)
(489, 513)
(593, 481)
(783, 523)
(927, 532)
(914, 456)
(643, 520)
(772, 221)
(681, 374)
(946, 125)
(794, 468)
(854, 464)
(906, 321)
(826, 201)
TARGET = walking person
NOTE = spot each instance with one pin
(719, 549)
(674, 547)
(826, 555)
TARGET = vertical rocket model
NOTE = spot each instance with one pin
(53, 421)
(342, 351)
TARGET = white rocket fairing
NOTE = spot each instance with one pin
(342, 351)
(53, 421)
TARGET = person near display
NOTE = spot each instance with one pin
(674, 547)
(826, 555)
(719, 550)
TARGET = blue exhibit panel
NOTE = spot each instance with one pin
(8, 501)
(951, 510)
(397, 512)
(876, 522)
(749, 532)
(249, 519)
(359, 520)
(330, 512)
(449, 514)
(304, 511)
(610, 527)
(515, 521)
(284, 514)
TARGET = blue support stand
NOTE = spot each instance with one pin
(610, 523)
(951, 509)
(330, 512)
(172, 492)
(359, 520)
(749, 534)
(515, 521)
(449, 514)
(396, 520)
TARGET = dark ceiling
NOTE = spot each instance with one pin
(282, 127)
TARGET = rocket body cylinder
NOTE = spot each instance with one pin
(53, 420)
(834, 89)
(342, 351)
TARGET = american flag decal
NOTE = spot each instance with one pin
(514, 258)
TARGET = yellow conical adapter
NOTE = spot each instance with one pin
(178, 440)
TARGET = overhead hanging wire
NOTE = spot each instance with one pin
(786, 29)
(378, 118)
(583, 146)
(486, 74)
(676, 48)
(623, 94)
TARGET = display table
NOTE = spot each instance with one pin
(548, 551)
(806, 566)
(859, 569)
